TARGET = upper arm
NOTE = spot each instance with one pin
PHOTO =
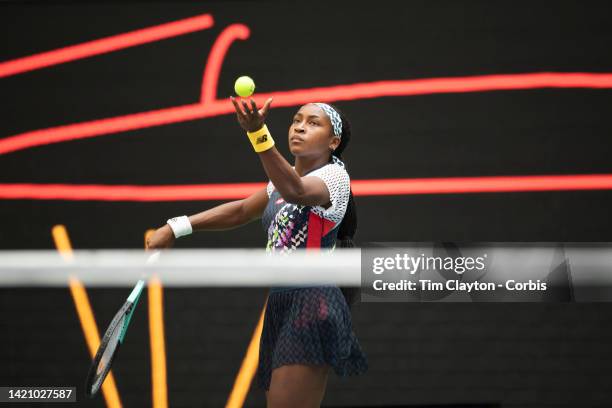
(314, 192)
(328, 185)
(254, 205)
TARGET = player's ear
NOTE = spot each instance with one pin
(335, 142)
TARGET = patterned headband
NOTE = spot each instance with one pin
(334, 117)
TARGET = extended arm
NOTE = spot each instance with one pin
(222, 217)
(231, 215)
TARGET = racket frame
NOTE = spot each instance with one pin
(127, 310)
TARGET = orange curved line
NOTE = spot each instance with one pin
(159, 382)
(216, 57)
(247, 371)
(106, 45)
(378, 187)
(85, 314)
(357, 91)
(157, 337)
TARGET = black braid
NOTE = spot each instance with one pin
(348, 226)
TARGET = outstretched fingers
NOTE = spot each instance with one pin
(264, 111)
(254, 107)
(249, 114)
(239, 110)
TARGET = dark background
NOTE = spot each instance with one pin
(511, 354)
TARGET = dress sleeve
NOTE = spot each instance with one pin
(338, 184)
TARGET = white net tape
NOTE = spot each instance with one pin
(241, 268)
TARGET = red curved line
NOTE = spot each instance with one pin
(106, 126)
(105, 45)
(297, 97)
(408, 87)
(202, 192)
(492, 184)
(127, 192)
(216, 57)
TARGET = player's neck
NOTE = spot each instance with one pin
(304, 165)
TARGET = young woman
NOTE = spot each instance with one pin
(309, 206)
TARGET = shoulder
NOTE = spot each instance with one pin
(333, 172)
(338, 183)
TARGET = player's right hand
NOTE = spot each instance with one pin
(249, 117)
(162, 238)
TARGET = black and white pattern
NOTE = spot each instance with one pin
(334, 117)
(338, 184)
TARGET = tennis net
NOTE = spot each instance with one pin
(229, 267)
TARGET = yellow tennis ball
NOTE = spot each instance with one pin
(244, 86)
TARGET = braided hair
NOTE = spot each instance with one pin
(348, 226)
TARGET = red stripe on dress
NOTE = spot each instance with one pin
(327, 226)
(315, 232)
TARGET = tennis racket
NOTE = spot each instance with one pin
(113, 338)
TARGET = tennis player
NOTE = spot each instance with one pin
(307, 330)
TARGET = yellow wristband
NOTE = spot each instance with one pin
(261, 139)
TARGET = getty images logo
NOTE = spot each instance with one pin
(412, 264)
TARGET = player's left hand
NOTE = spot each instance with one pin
(250, 118)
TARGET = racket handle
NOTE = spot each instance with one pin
(136, 291)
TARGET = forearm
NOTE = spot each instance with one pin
(223, 217)
(285, 179)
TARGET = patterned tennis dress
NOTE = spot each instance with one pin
(308, 325)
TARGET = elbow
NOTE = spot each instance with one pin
(290, 197)
(295, 197)
(292, 192)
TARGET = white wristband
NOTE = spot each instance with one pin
(180, 226)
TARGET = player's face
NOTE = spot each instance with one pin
(311, 133)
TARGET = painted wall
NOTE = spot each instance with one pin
(518, 354)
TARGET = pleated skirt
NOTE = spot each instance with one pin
(309, 326)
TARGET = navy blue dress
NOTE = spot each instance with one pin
(308, 325)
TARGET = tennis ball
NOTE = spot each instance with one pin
(244, 86)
